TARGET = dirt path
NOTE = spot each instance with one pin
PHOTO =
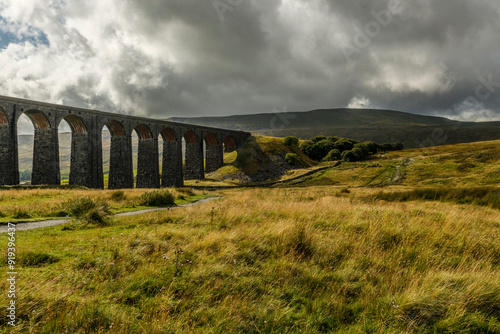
(53, 222)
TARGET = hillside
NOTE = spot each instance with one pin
(359, 124)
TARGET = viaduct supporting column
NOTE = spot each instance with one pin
(172, 164)
(46, 156)
(193, 164)
(214, 158)
(147, 164)
(9, 170)
(80, 170)
(120, 163)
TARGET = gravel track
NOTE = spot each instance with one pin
(53, 222)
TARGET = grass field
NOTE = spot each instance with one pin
(345, 251)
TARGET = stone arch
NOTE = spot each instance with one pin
(167, 134)
(190, 137)
(39, 119)
(211, 139)
(3, 118)
(76, 124)
(115, 128)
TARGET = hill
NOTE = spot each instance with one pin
(359, 124)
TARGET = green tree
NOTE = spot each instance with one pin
(333, 155)
(291, 141)
(293, 159)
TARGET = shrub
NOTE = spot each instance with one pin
(386, 147)
(372, 146)
(317, 139)
(293, 159)
(291, 141)
(21, 214)
(333, 155)
(349, 156)
(118, 195)
(398, 146)
(186, 191)
(344, 144)
(157, 198)
(364, 148)
(88, 210)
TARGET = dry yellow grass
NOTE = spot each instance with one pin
(317, 259)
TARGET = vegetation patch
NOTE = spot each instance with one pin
(158, 198)
(37, 259)
(486, 196)
(88, 210)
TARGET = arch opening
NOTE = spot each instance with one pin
(64, 131)
(25, 142)
(229, 143)
(106, 134)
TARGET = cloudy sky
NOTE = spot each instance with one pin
(165, 58)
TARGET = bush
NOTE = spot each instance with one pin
(333, 155)
(160, 198)
(364, 148)
(372, 146)
(386, 147)
(291, 141)
(349, 156)
(88, 210)
(293, 159)
(344, 144)
(398, 146)
(118, 196)
(317, 139)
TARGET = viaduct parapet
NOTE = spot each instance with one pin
(86, 147)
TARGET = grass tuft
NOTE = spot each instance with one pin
(160, 198)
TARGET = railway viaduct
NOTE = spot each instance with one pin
(86, 147)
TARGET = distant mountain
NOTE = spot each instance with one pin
(360, 124)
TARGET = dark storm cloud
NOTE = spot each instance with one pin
(183, 57)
